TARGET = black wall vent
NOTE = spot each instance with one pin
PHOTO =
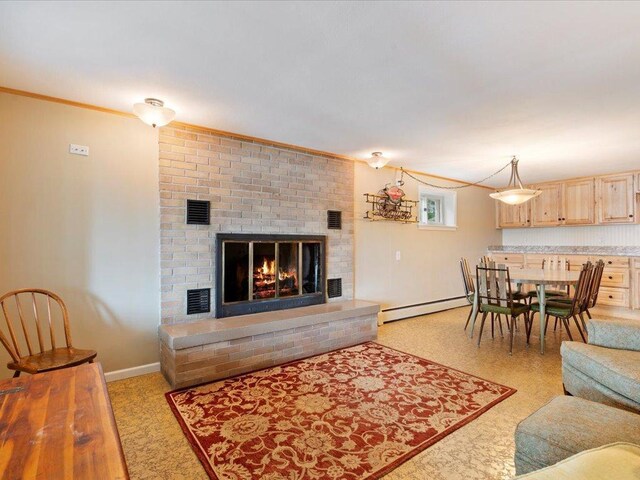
(198, 212)
(198, 301)
(334, 219)
(334, 287)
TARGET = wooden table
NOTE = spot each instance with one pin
(59, 425)
(540, 278)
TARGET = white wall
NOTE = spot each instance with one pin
(603, 235)
(428, 269)
(84, 227)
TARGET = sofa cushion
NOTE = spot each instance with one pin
(568, 425)
(618, 370)
(617, 460)
(623, 334)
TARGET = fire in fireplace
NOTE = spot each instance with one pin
(257, 273)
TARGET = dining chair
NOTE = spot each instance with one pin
(27, 355)
(553, 262)
(495, 297)
(594, 287)
(566, 310)
(469, 287)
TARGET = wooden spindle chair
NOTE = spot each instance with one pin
(495, 297)
(38, 357)
(469, 287)
(564, 310)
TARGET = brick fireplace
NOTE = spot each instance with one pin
(254, 188)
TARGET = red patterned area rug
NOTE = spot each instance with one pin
(355, 413)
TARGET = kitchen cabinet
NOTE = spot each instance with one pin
(546, 208)
(579, 202)
(616, 199)
(513, 216)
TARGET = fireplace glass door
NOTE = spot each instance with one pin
(262, 273)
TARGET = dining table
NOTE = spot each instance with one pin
(541, 278)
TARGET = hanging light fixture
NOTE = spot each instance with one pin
(515, 193)
(377, 160)
(153, 112)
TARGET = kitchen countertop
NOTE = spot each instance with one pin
(567, 250)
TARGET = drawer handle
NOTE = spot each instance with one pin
(609, 262)
(610, 296)
(506, 258)
(610, 278)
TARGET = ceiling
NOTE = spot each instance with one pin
(453, 89)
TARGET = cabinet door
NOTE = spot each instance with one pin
(513, 216)
(546, 208)
(579, 202)
(616, 199)
(636, 288)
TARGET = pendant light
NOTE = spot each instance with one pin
(377, 160)
(515, 193)
(153, 112)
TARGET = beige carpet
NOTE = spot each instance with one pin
(155, 447)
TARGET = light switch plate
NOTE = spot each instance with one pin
(398, 256)
(78, 149)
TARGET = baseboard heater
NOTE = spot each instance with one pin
(416, 309)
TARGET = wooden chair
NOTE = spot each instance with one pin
(565, 310)
(469, 287)
(43, 359)
(592, 299)
(495, 297)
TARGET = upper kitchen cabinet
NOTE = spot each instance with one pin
(616, 199)
(579, 202)
(513, 216)
(546, 208)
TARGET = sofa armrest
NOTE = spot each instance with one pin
(622, 334)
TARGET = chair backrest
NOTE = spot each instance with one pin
(583, 288)
(469, 286)
(494, 285)
(596, 278)
(485, 260)
(19, 315)
(554, 262)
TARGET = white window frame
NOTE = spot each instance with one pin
(448, 209)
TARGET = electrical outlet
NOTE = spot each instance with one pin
(78, 149)
(398, 255)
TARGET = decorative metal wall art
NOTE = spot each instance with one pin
(389, 204)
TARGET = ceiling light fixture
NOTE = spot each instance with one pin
(377, 160)
(515, 193)
(153, 112)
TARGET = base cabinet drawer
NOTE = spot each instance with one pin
(508, 258)
(615, 278)
(614, 297)
(619, 262)
(576, 262)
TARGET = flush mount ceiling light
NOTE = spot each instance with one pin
(377, 160)
(515, 193)
(153, 112)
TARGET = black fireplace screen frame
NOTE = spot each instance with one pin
(223, 309)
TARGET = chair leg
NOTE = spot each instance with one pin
(528, 324)
(16, 374)
(513, 321)
(566, 327)
(493, 322)
(484, 317)
(500, 325)
(584, 324)
(555, 325)
(588, 313)
(468, 318)
(575, 319)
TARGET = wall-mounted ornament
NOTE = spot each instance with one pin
(390, 204)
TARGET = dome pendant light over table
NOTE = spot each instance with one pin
(153, 112)
(515, 193)
(377, 160)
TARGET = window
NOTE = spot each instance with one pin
(432, 213)
(438, 209)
